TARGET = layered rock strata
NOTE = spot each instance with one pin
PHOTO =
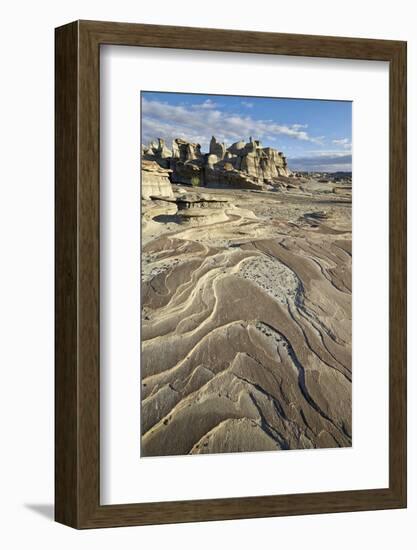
(242, 165)
(246, 326)
(155, 180)
(198, 208)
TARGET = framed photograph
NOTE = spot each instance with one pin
(230, 274)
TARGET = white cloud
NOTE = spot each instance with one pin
(207, 104)
(199, 122)
(298, 126)
(343, 142)
(247, 104)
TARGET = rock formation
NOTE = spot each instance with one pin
(246, 321)
(218, 149)
(199, 208)
(158, 149)
(242, 165)
(155, 180)
(187, 151)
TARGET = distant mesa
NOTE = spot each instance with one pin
(243, 165)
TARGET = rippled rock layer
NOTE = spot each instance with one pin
(246, 326)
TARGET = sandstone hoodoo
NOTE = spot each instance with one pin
(199, 208)
(196, 204)
(155, 180)
(242, 165)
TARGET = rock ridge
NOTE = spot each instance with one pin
(242, 165)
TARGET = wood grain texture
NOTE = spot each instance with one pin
(66, 237)
(398, 274)
(78, 285)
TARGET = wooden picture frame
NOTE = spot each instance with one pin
(77, 382)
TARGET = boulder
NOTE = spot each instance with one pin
(235, 148)
(211, 160)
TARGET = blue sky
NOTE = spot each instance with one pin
(312, 134)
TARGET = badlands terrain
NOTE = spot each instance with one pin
(246, 304)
